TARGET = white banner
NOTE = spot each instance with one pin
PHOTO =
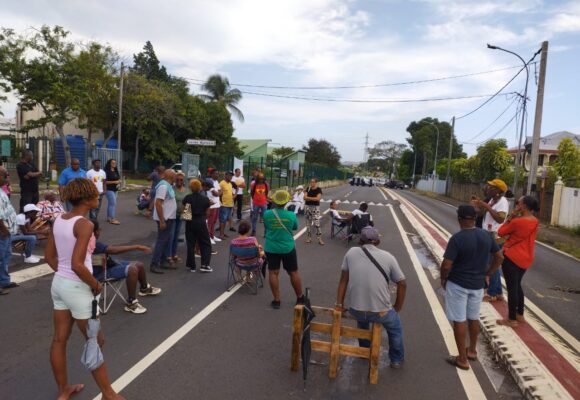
(239, 164)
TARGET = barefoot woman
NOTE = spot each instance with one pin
(73, 286)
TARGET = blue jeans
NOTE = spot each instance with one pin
(173, 240)
(111, 204)
(257, 210)
(163, 241)
(30, 242)
(392, 324)
(5, 254)
(94, 212)
(494, 288)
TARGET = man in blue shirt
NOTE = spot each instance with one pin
(464, 271)
(67, 175)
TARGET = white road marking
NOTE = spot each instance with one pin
(471, 385)
(383, 193)
(31, 273)
(124, 380)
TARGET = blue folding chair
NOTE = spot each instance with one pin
(244, 268)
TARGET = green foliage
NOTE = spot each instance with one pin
(568, 163)
(281, 152)
(219, 91)
(464, 170)
(493, 159)
(385, 156)
(322, 152)
(147, 65)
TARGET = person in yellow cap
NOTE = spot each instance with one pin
(496, 211)
(280, 247)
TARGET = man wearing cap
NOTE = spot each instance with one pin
(280, 247)
(227, 207)
(496, 211)
(464, 270)
(366, 273)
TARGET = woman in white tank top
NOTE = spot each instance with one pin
(73, 286)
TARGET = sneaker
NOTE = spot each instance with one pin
(217, 239)
(149, 291)
(397, 365)
(275, 304)
(11, 285)
(213, 252)
(197, 255)
(212, 241)
(192, 269)
(154, 268)
(205, 268)
(135, 308)
(31, 260)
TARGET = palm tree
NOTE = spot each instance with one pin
(218, 89)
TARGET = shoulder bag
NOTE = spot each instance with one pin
(280, 221)
(375, 262)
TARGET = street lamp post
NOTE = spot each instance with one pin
(435, 162)
(414, 166)
(525, 100)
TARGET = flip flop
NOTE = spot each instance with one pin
(453, 361)
(470, 358)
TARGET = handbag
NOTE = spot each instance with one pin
(375, 262)
(186, 213)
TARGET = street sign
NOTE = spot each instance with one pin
(200, 142)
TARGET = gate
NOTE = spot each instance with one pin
(99, 153)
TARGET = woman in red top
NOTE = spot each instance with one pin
(520, 229)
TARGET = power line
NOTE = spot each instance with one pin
(494, 121)
(492, 97)
(499, 131)
(364, 86)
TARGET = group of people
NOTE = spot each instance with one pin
(473, 259)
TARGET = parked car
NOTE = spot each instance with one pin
(394, 184)
(177, 167)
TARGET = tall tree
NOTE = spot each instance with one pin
(493, 159)
(43, 72)
(568, 164)
(385, 156)
(147, 64)
(322, 152)
(218, 90)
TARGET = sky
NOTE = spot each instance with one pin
(336, 43)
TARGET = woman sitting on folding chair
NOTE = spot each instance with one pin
(246, 264)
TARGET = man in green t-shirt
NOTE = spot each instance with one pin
(280, 248)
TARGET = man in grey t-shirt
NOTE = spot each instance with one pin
(368, 289)
(164, 211)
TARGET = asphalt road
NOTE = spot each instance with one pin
(551, 269)
(241, 350)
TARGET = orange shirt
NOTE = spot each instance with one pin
(519, 246)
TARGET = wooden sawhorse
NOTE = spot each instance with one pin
(334, 347)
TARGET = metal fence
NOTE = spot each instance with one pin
(99, 153)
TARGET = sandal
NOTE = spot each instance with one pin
(489, 299)
(453, 361)
(507, 322)
(177, 259)
(471, 358)
(114, 222)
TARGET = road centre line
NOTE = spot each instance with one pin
(471, 385)
(383, 193)
(124, 380)
(546, 320)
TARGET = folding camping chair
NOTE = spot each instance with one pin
(111, 288)
(339, 227)
(244, 267)
(356, 226)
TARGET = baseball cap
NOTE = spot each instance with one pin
(466, 211)
(369, 234)
(498, 183)
(281, 197)
(31, 207)
(208, 181)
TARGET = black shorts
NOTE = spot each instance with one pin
(289, 261)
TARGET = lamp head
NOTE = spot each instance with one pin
(489, 46)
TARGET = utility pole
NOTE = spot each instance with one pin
(447, 177)
(414, 166)
(538, 120)
(120, 163)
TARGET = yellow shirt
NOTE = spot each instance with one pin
(227, 194)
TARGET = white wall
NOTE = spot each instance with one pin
(570, 207)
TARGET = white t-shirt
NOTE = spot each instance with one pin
(97, 177)
(216, 199)
(238, 180)
(169, 205)
(298, 197)
(360, 213)
(21, 220)
(502, 205)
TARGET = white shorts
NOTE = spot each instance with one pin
(71, 295)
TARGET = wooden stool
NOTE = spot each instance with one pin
(334, 347)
